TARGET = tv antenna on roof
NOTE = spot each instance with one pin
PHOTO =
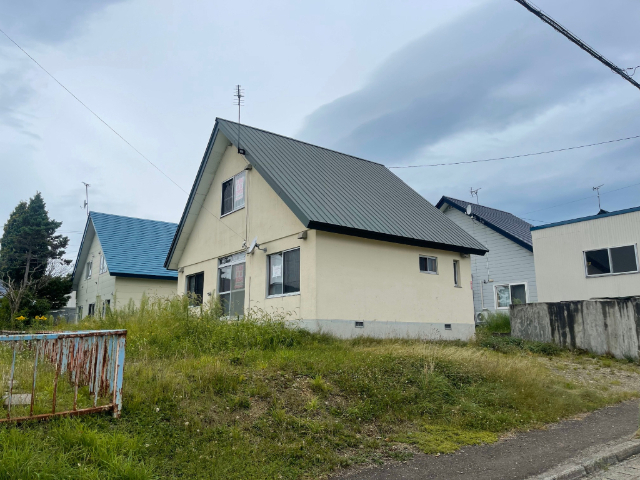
(474, 193)
(597, 189)
(86, 201)
(239, 101)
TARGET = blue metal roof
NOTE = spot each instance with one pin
(133, 247)
(590, 217)
(505, 223)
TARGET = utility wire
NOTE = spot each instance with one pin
(518, 156)
(112, 129)
(559, 28)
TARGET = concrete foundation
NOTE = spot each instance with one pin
(381, 329)
(607, 326)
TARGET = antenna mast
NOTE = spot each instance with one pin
(474, 193)
(86, 201)
(597, 189)
(239, 101)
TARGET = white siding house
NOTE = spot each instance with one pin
(590, 257)
(506, 274)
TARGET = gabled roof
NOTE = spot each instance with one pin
(329, 191)
(133, 247)
(597, 216)
(505, 223)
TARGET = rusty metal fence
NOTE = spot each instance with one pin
(51, 374)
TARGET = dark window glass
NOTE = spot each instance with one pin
(428, 264)
(292, 271)
(195, 287)
(275, 274)
(456, 273)
(518, 294)
(227, 197)
(623, 259)
(597, 262)
(224, 280)
(92, 308)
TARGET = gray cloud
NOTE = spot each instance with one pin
(48, 21)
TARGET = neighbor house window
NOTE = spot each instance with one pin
(429, 264)
(79, 312)
(103, 264)
(231, 279)
(233, 193)
(92, 309)
(512, 294)
(195, 288)
(456, 273)
(88, 269)
(607, 261)
(284, 272)
(105, 307)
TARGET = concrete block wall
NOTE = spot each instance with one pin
(606, 326)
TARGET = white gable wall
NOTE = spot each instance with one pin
(98, 285)
(506, 262)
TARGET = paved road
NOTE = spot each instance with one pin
(525, 455)
(627, 470)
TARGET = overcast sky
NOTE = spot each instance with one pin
(398, 82)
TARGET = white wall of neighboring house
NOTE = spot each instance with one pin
(506, 263)
(560, 262)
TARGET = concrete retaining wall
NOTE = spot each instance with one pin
(608, 326)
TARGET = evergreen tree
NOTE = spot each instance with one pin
(28, 248)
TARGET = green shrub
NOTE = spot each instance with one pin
(497, 322)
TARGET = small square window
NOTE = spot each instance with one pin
(429, 264)
(359, 324)
(598, 262)
(447, 326)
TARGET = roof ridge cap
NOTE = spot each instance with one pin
(302, 141)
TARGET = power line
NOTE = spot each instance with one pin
(573, 38)
(519, 156)
(112, 129)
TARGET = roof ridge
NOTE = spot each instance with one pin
(302, 141)
(490, 208)
(132, 218)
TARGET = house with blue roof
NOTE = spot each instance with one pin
(589, 257)
(506, 274)
(120, 260)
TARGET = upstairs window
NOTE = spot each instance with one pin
(233, 193)
(284, 273)
(103, 264)
(429, 265)
(231, 280)
(195, 288)
(88, 269)
(607, 261)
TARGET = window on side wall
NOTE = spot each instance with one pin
(429, 265)
(106, 305)
(92, 309)
(456, 273)
(103, 264)
(231, 283)
(284, 273)
(88, 269)
(513, 294)
(195, 288)
(79, 312)
(607, 261)
(233, 193)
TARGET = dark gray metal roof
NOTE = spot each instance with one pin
(505, 223)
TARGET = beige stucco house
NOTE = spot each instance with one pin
(340, 243)
(589, 257)
(120, 260)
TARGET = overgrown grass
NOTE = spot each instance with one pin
(497, 322)
(260, 398)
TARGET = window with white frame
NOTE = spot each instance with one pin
(510, 294)
(103, 264)
(88, 269)
(231, 280)
(284, 273)
(233, 193)
(610, 261)
(456, 273)
(429, 265)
